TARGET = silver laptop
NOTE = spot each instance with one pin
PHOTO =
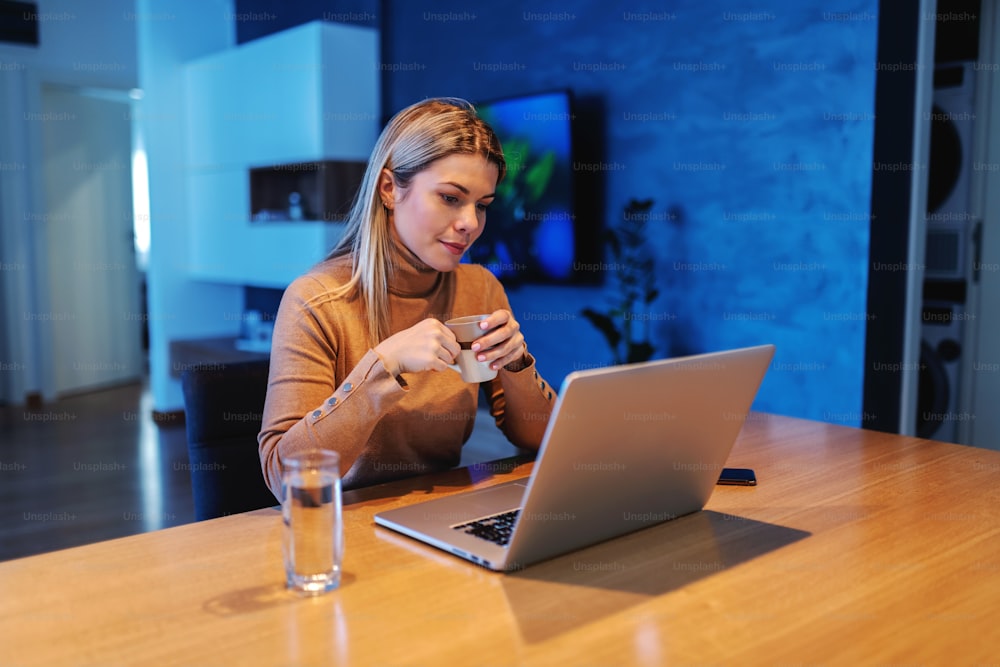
(626, 447)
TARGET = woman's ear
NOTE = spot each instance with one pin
(387, 188)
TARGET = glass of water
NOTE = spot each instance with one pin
(313, 541)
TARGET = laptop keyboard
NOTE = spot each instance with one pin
(496, 528)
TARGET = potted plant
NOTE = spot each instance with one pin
(625, 324)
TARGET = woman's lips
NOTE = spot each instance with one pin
(454, 248)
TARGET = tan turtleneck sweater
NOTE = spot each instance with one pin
(328, 389)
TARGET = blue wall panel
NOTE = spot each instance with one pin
(753, 126)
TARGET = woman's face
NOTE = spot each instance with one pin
(443, 211)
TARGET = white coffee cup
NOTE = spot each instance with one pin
(467, 330)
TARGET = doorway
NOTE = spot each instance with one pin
(95, 317)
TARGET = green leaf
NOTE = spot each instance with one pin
(505, 189)
(539, 174)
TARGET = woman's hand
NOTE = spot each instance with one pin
(426, 346)
(504, 344)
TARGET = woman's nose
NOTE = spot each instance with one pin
(468, 220)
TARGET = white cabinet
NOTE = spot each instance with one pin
(305, 94)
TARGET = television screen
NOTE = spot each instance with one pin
(531, 229)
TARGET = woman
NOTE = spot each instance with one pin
(360, 355)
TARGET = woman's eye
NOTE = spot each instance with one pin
(451, 199)
(482, 207)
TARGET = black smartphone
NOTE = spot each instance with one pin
(738, 477)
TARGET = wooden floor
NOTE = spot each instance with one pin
(96, 466)
(89, 468)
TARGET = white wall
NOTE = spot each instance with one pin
(304, 94)
(170, 34)
(90, 42)
(80, 46)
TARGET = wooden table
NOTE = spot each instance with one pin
(856, 548)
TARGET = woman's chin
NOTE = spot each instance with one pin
(445, 267)
(444, 264)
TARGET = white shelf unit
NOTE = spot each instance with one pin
(306, 94)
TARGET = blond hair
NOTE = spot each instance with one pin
(414, 138)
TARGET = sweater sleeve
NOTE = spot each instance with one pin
(521, 403)
(307, 406)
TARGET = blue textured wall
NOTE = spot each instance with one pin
(755, 124)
